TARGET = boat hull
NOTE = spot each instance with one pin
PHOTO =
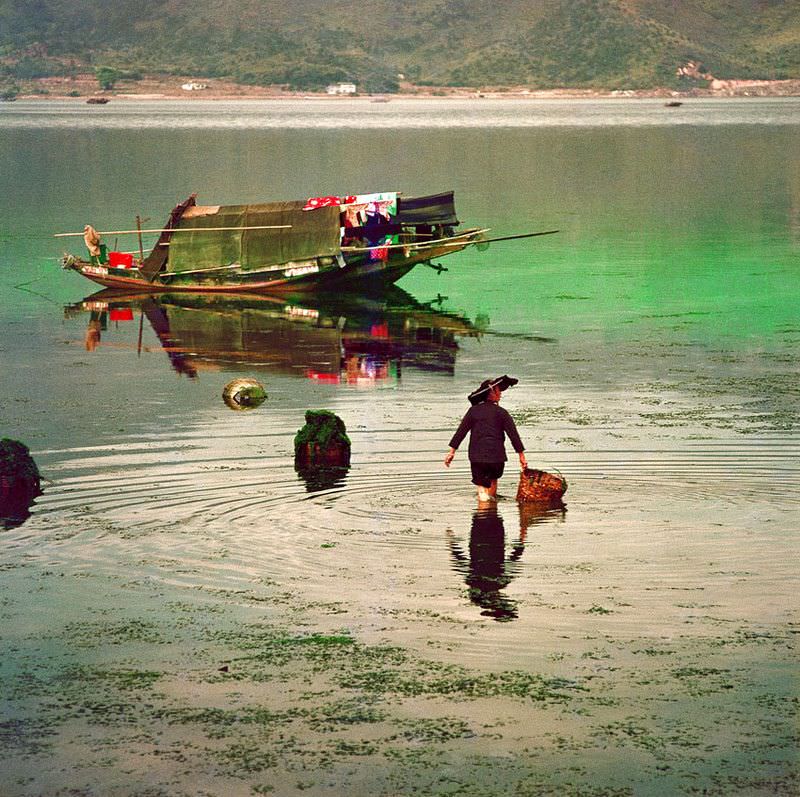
(361, 273)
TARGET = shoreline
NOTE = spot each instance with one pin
(85, 88)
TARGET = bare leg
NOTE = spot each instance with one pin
(487, 493)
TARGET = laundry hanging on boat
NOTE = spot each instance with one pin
(327, 202)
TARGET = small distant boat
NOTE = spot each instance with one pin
(673, 104)
(97, 101)
(379, 99)
(364, 241)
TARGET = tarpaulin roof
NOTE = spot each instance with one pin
(433, 209)
(310, 234)
(157, 259)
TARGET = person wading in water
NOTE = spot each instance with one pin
(488, 424)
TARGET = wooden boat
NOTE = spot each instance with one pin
(351, 242)
(97, 101)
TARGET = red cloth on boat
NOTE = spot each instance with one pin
(380, 252)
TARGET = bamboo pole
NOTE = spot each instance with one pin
(452, 238)
(139, 231)
(504, 238)
(171, 274)
(177, 229)
(450, 241)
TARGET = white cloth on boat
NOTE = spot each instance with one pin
(92, 240)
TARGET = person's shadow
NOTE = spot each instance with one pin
(486, 569)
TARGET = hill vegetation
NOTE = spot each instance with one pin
(306, 44)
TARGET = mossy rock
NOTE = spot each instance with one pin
(19, 480)
(322, 442)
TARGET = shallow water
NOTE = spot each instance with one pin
(361, 114)
(380, 635)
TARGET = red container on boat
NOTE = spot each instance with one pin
(120, 260)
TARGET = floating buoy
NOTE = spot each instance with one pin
(244, 394)
(19, 482)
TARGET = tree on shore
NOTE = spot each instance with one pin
(107, 77)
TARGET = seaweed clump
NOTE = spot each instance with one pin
(19, 482)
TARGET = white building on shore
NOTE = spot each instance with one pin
(342, 88)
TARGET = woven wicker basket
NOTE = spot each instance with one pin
(540, 487)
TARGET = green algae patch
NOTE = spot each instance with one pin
(123, 679)
(269, 649)
(321, 640)
(382, 669)
(96, 634)
(428, 678)
(243, 759)
(435, 730)
(27, 736)
(343, 713)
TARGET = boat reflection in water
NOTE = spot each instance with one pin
(489, 567)
(344, 339)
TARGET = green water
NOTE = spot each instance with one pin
(647, 634)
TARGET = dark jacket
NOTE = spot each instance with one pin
(487, 423)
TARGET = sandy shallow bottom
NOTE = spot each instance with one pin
(187, 616)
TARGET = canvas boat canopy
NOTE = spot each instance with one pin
(433, 209)
(217, 236)
(306, 236)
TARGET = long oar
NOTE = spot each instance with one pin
(436, 242)
(448, 241)
(503, 238)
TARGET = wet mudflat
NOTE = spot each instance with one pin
(184, 614)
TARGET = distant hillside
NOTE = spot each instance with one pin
(307, 44)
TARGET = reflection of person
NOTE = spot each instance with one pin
(97, 323)
(487, 570)
(487, 424)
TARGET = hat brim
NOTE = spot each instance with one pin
(482, 393)
(504, 382)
